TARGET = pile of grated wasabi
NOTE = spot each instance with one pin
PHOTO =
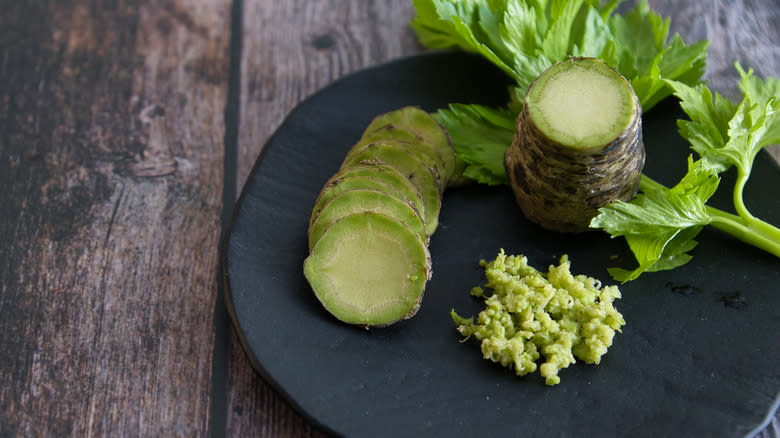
(529, 314)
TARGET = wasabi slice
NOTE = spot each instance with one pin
(424, 179)
(369, 269)
(419, 122)
(370, 225)
(343, 182)
(433, 156)
(409, 148)
(389, 175)
(360, 200)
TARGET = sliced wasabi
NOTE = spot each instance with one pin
(433, 155)
(360, 200)
(389, 175)
(369, 269)
(409, 148)
(343, 182)
(413, 168)
(419, 122)
(389, 132)
(371, 223)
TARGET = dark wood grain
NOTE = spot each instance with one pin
(292, 49)
(111, 146)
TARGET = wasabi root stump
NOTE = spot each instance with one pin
(371, 223)
(578, 145)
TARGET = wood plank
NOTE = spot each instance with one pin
(111, 141)
(290, 50)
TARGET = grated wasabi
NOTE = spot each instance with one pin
(530, 314)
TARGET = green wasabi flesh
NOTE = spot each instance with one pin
(581, 103)
(388, 175)
(369, 269)
(532, 314)
(341, 183)
(413, 168)
(360, 200)
(409, 148)
(424, 126)
(412, 143)
(434, 156)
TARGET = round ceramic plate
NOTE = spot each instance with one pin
(699, 355)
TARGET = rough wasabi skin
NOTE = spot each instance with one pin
(531, 314)
(578, 145)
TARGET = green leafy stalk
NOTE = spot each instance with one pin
(661, 223)
(751, 230)
(525, 37)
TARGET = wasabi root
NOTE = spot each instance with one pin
(578, 145)
(530, 314)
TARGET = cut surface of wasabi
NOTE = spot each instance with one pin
(360, 200)
(369, 269)
(409, 148)
(422, 177)
(389, 132)
(422, 124)
(431, 155)
(339, 184)
(389, 175)
(581, 103)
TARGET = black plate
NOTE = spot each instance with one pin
(691, 361)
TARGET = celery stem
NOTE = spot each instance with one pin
(739, 188)
(647, 183)
(747, 229)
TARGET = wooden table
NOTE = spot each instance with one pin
(126, 131)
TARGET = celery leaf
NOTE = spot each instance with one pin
(486, 131)
(661, 223)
